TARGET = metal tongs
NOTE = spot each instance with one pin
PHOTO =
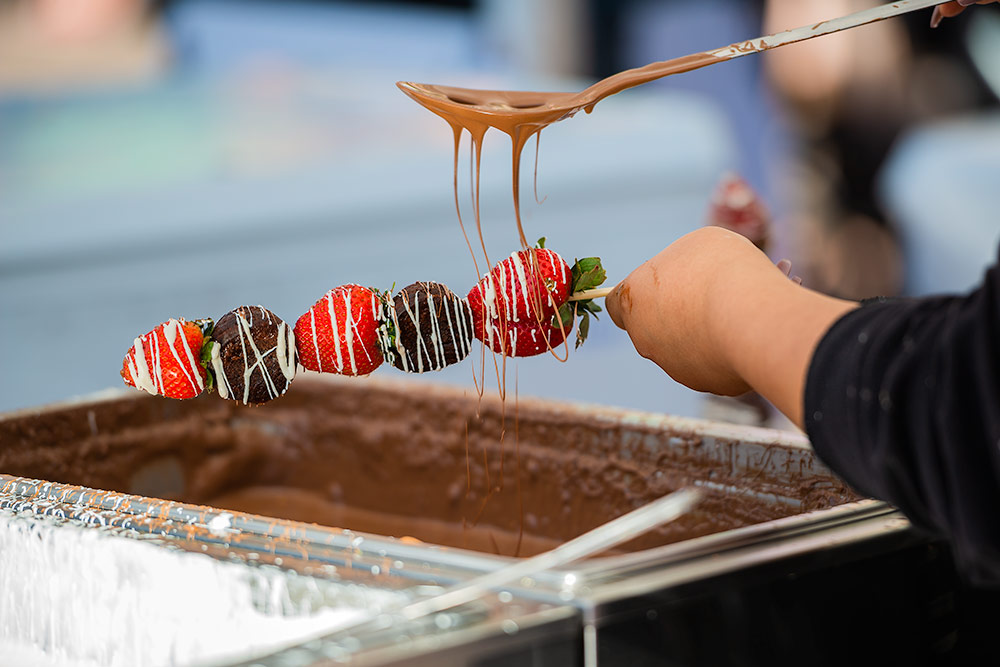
(608, 535)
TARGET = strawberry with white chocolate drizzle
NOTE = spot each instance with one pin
(521, 307)
(169, 360)
(339, 332)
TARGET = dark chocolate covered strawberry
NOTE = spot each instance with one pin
(253, 355)
(426, 327)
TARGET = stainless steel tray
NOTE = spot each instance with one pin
(818, 520)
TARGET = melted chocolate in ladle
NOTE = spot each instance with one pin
(523, 114)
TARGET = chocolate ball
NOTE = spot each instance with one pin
(253, 356)
(427, 328)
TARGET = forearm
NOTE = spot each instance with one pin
(714, 312)
(766, 328)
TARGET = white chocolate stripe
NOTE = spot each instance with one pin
(247, 335)
(312, 319)
(170, 331)
(139, 368)
(398, 345)
(338, 360)
(225, 389)
(518, 266)
(375, 319)
(451, 330)
(415, 318)
(436, 341)
(349, 328)
(286, 351)
(157, 365)
(464, 314)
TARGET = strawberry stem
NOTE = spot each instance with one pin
(588, 274)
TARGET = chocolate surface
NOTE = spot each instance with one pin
(253, 356)
(432, 328)
(394, 459)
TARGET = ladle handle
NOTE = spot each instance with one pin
(803, 33)
(634, 77)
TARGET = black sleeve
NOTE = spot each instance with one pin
(902, 400)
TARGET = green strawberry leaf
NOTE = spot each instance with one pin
(207, 326)
(588, 274)
(583, 329)
(206, 359)
(568, 313)
(565, 316)
(541, 243)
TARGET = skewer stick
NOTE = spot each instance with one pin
(591, 294)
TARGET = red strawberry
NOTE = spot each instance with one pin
(339, 334)
(527, 287)
(168, 360)
(526, 339)
(737, 207)
(513, 314)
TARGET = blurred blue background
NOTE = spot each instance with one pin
(184, 158)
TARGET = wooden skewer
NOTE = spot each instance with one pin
(591, 294)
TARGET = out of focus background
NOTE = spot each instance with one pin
(179, 159)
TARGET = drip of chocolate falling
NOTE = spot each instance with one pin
(433, 328)
(253, 356)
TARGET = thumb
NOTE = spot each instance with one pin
(619, 303)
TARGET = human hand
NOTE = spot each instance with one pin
(714, 313)
(665, 305)
(949, 9)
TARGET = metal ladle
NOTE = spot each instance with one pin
(511, 110)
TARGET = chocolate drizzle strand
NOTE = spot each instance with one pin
(253, 355)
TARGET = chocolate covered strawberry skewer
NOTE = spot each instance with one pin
(521, 308)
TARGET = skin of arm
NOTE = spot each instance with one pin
(714, 313)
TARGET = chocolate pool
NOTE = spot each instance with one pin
(433, 464)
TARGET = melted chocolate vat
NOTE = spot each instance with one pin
(390, 458)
